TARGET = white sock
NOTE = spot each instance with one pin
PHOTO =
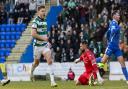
(51, 72)
(98, 76)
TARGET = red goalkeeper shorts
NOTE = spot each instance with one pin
(84, 78)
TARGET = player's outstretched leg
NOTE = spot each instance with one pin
(51, 73)
(124, 70)
(48, 57)
(100, 79)
(31, 75)
(34, 65)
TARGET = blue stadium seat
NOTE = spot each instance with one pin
(18, 34)
(0, 28)
(12, 43)
(2, 35)
(7, 44)
(4, 52)
(13, 35)
(2, 59)
(12, 27)
(23, 26)
(8, 35)
(1, 52)
(3, 26)
(7, 52)
(2, 43)
(7, 28)
(18, 28)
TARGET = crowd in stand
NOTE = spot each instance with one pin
(20, 12)
(80, 19)
(86, 20)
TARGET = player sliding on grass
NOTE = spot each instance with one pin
(41, 44)
(91, 70)
(2, 80)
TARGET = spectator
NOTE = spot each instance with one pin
(69, 50)
(26, 16)
(126, 34)
(7, 6)
(32, 7)
(3, 16)
(63, 55)
(71, 74)
(60, 19)
(11, 17)
(21, 14)
(88, 20)
(71, 4)
(58, 54)
(16, 14)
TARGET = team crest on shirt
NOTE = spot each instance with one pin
(113, 27)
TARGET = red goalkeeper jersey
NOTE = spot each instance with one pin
(89, 61)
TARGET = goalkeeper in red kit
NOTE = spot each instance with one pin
(91, 73)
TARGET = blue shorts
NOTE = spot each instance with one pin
(111, 50)
(98, 60)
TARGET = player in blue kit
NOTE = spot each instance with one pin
(2, 80)
(113, 37)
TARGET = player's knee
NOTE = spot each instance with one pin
(121, 59)
(48, 58)
(49, 62)
(77, 83)
(36, 62)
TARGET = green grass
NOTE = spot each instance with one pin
(63, 85)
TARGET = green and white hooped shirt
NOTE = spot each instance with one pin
(41, 27)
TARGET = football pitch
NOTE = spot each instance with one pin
(63, 85)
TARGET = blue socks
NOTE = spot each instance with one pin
(124, 70)
(1, 75)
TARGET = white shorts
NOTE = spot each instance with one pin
(39, 50)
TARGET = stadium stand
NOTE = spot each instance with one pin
(24, 33)
(12, 27)
(71, 25)
(87, 20)
(9, 34)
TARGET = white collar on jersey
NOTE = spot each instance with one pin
(115, 21)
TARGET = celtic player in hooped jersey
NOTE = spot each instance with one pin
(41, 27)
(41, 44)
